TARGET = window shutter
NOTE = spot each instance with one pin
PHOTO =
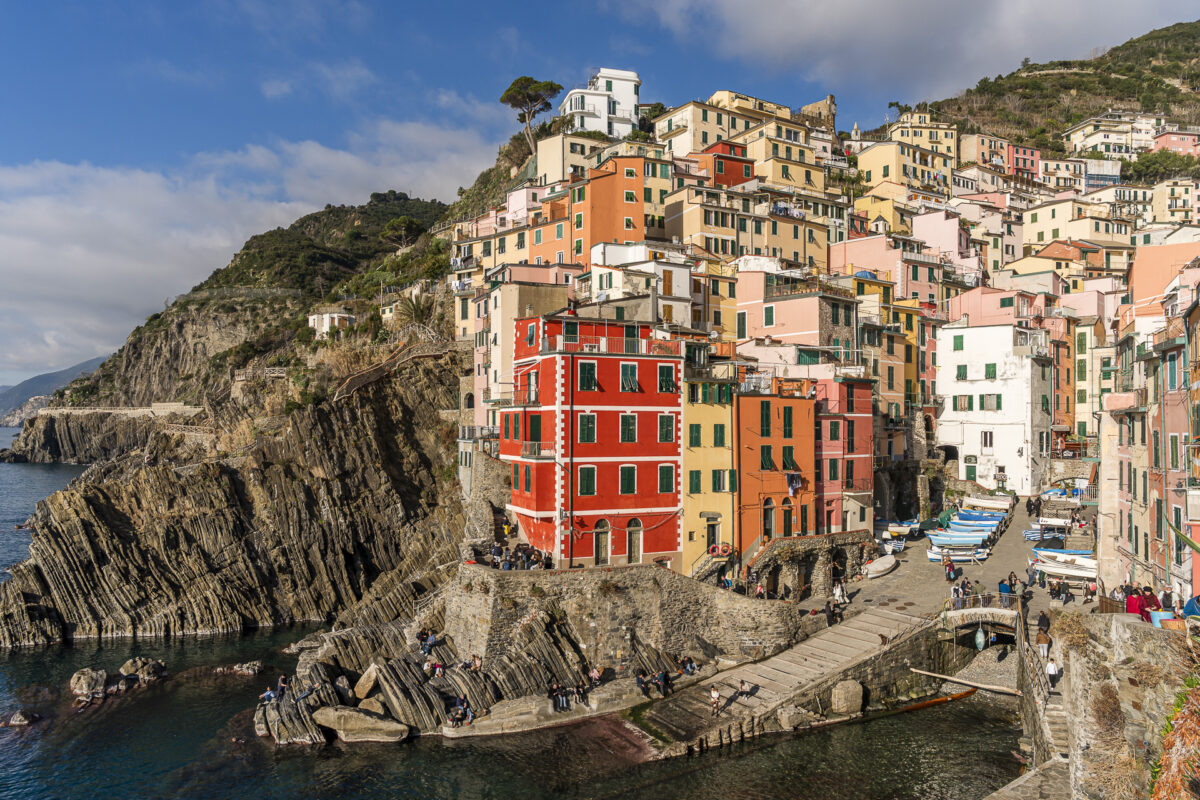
(733, 480)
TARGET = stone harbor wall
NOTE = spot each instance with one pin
(797, 567)
(612, 611)
(1064, 468)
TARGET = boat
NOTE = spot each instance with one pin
(1037, 535)
(976, 523)
(981, 516)
(1064, 557)
(988, 503)
(881, 566)
(976, 554)
(941, 541)
(964, 528)
(896, 545)
(1060, 570)
(1054, 522)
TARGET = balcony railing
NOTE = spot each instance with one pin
(522, 396)
(537, 449)
(476, 432)
(614, 345)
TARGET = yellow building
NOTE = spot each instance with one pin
(714, 296)
(1072, 219)
(893, 212)
(918, 128)
(709, 511)
(745, 105)
(907, 164)
(1174, 202)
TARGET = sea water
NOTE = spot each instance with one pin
(190, 736)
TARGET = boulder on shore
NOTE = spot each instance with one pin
(375, 706)
(248, 668)
(89, 682)
(366, 684)
(847, 697)
(356, 725)
(20, 719)
(146, 670)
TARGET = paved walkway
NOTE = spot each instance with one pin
(1050, 781)
(686, 716)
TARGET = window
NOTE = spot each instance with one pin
(666, 478)
(789, 462)
(986, 437)
(765, 461)
(630, 197)
(835, 431)
(694, 481)
(587, 481)
(768, 316)
(787, 422)
(718, 479)
(961, 373)
(989, 371)
(629, 380)
(587, 376)
(628, 481)
(833, 469)
(587, 428)
(629, 223)
(958, 342)
(666, 378)
(694, 435)
(764, 417)
(666, 428)
(528, 479)
(628, 428)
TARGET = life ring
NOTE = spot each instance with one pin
(722, 549)
(726, 548)
(715, 550)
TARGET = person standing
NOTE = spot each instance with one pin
(1167, 601)
(1043, 622)
(1043, 643)
(1052, 673)
(714, 695)
(1005, 593)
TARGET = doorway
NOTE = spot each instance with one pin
(633, 542)
(600, 543)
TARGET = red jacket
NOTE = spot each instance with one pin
(1133, 604)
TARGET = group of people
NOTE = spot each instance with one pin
(561, 695)
(1053, 672)
(461, 713)
(1141, 600)
(661, 681)
(279, 691)
(522, 556)
(427, 640)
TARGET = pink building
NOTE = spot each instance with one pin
(844, 465)
(903, 260)
(1025, 162)
(794, 311)
(1183, 142)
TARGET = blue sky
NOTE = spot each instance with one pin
(145, 141)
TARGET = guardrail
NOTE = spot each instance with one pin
(615, 345)
(251, 373)
(537, 449)
(473, 432)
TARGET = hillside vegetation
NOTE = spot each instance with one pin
(1032, 106)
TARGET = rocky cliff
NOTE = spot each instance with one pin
(27, 410)
(300, 526)
(80, 438)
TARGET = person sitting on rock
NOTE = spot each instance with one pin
(594, 674)
(476, 664)
(437, 669)
(580, 692)
(464, 705)
(456, 717)
(308, 692)
(430, 642)
(268, 695)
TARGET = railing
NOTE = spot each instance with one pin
(537, 449)
(612, 345)
(473, 432)
(923, 258)
(523, 396)
(251, 373)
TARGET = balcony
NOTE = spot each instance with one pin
(611, 345)
(478, 432)
(537, 449)
(523, 396)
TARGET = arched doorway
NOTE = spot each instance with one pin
(928, 424)
(768, 520)
(600, 543)
(787, 517)
(633, 541)
(469, 400)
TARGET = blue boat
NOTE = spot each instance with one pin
(967, 527)
(1038, 534)
(1040, 552)
(985, 516)
(956, 541)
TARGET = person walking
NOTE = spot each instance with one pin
(1043, 643)
(1043, 622)
(714, 695)
(1052, 673)
(956, 597)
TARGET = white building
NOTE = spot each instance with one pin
(329, 322)
(994, 385)
(607, 104)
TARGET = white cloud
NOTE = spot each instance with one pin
(344, 80)
(87, 252)
(920, 49)
(275, 88)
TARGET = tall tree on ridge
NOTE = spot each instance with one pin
(529, 97)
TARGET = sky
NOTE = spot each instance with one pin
(143, 142)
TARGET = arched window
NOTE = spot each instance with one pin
(768, 519)
(787, 517)
(633, 541)
(600, 542)
(469, 400)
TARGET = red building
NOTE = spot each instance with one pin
(593, 437)
(1025, 162)
(727, 163)
(845, 474)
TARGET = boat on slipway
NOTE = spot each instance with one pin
(988, 503)
(938, 553)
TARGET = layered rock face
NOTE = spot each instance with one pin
(301, 527)
(81, 438)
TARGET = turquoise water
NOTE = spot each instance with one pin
(176, 739)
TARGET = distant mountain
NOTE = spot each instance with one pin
(1158, 71)
(12, 397)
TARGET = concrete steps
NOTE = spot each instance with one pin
(687, 715)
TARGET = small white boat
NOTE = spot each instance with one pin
(936, 554)
(988, 503)
(1054, 522)
(1067, 559)
(1060, 570)
(896, 545)
(881, 566)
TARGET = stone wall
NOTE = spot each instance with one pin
(1064, 468)
(802, 566)
(612, 611)
(1118, 694)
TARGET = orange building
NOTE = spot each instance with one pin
(774, 426)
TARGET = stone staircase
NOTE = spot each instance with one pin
(687, 715)
(1053, 714)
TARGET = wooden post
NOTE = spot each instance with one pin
(984, 686)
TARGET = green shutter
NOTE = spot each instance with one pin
(764, 457)
(764, 417)
(787, 422)
(666, 479)
(666, 428)
(693, 435)
(718, 435)
(970, 402)
(694, 481)
(998, 399)
(989, 370)
(733, 480)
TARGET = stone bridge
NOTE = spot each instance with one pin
(952, 619)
